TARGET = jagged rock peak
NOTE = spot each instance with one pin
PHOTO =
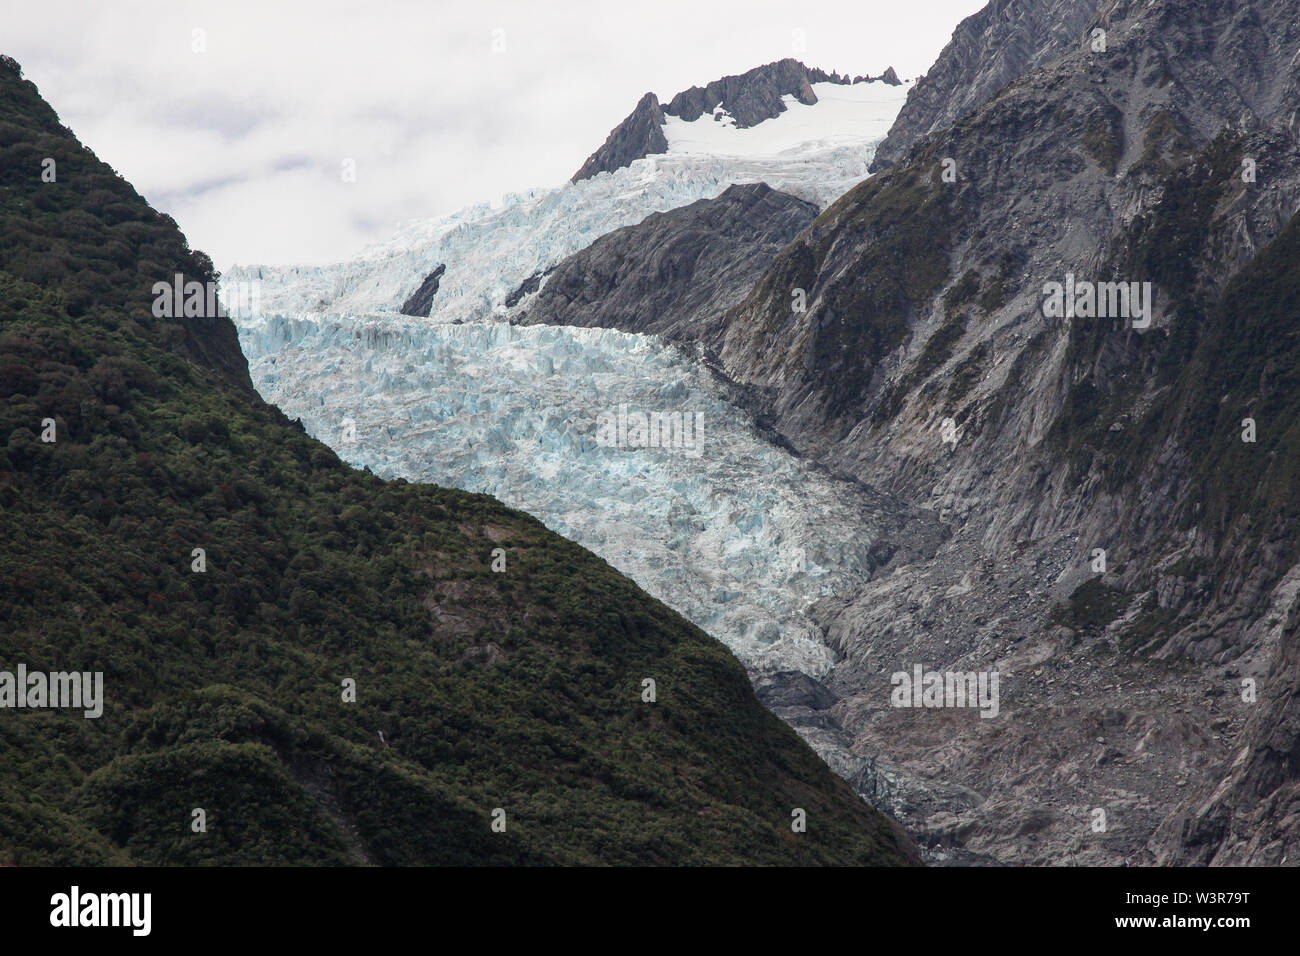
(890, 76)
(749, 98)
(753, 96)
(636, 137)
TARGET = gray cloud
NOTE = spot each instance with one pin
(243, 142)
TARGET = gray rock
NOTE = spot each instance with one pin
(420, 302)
(753, 96)
(675, 273)
(793, 689)
(527, 287)
(750, 98)
(989, 49)
(635, 138)
(1062, 166)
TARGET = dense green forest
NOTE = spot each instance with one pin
(223, 689)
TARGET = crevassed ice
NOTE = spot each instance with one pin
(739, 539)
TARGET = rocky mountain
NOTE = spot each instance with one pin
(1095, 502)
(301, 663)
(635, 138)
(746, 100)
(989, 49)
(735, 533)
(674, 272)
(488, 257)
(1118, 491)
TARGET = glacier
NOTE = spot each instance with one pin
(742, 539)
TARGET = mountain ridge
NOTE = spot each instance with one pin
(748, 98)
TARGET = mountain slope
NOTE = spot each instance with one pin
(470, 401)
(1002, 42)
(669, 272)
(924, 365)
(1126, 165)
(635, 138)
(223, 690)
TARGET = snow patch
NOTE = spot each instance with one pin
(844, 115)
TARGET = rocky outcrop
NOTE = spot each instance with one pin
(989, 49)
(527, 287)
(889, 77)
(925, 319)
(753, 96)
(420, 302)
(635, 138)
(677, 271)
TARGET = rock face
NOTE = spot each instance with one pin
(926, 308)
(420, 302)
(526, 288)
(923, 364)
(749, 98)
(636, 137)
(988, 50)
(753, 96)
(889, 76)
(677, 271)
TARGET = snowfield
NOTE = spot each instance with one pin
(842, 116)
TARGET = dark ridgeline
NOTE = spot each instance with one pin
(420, 302)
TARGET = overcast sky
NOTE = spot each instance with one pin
(244, 141)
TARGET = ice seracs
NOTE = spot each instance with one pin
(736, 534)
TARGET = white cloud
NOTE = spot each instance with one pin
(243, 143)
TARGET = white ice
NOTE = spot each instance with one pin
(739, 539)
